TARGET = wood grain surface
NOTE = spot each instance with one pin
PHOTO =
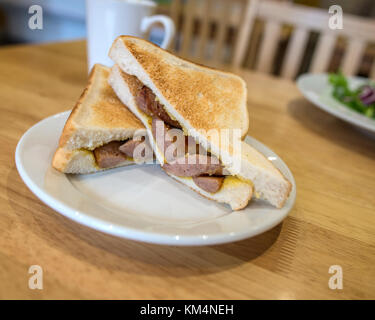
(332, 223)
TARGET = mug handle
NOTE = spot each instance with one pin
(167, 23)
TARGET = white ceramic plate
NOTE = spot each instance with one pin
(316, 89)
(139, 202)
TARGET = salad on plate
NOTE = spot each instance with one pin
(360, 99)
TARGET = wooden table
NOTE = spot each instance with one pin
(332, 223)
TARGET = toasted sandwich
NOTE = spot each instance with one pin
(165, 91)
(100, 133)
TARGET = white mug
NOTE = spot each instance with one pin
(108, 19)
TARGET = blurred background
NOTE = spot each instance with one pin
(220, 21)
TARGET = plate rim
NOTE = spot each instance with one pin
(131, 233)
(361, 123)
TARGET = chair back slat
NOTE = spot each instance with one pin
(204, 32)
(294, 53)
(187, 27)
(352, 57)
(175, 11)
(245, 32)
(323, 52)
(268, 46)
(222, 28)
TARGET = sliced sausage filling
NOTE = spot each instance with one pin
(147, 102)
(109, 155)
(129, 146)
(184, 157)
(194, 165)
(210, 184)
(115, 152)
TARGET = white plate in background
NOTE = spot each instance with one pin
(140, 202)
(316, 89)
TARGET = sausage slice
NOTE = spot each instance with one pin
(182, 144)
(210, 184)
(146, 101)
(109, 155)
(128, 147)
(194, 165)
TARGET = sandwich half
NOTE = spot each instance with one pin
(99, 132)
(159, 87)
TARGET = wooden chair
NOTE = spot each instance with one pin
(359, 32)
(206, 27)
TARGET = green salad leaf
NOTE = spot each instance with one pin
(352, 98)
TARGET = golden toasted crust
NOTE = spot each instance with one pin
(98, 117)
(98, 107)
(69, 127)
(61, 159)
(204, 97)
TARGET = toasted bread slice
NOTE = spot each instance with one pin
(234, 192)
(205, 98)
(98, 118)
(198, 98)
